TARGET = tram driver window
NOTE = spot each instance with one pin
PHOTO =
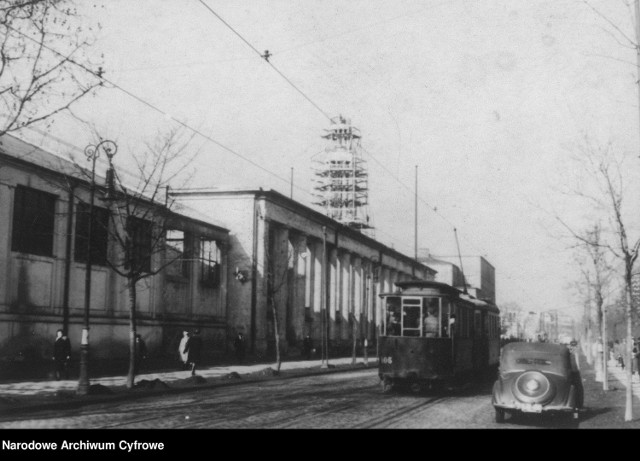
(431, 322)
(393, 318)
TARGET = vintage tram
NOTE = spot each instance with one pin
(434, 334)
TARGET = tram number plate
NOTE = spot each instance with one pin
(531, 408)
(387, 360)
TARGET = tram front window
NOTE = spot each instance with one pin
(411, 318)
(393, 318)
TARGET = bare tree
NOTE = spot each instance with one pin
(593, 258)
(605, 191)
(279, 263)
(43, 66)
(139, 220)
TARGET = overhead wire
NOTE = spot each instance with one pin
(266, 58)
(214, 141)
(101, 77)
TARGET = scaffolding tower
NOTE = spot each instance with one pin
(341, 178)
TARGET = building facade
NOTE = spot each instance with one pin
(43, 254)
(312, 272)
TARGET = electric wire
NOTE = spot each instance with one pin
(214, 141)
(99, 76)
(266, 58)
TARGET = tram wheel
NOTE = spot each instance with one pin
(387, 385)
(500, 415)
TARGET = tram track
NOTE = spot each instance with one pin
(384, 420)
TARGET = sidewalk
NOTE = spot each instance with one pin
(606, 409)
(34, 395)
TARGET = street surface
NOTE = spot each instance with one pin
(338, 401)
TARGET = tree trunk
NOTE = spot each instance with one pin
(131, 375)
(277, 336)
(628, 413)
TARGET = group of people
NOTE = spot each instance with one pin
(62, 354)
(618, 352)
(190, 350)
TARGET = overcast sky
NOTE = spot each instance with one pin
(487, 98)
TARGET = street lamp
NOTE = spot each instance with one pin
(92, 153)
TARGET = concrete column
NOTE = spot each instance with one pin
(317, 287)
(357, 292)
(298, 290)
(262, 236)
(280, 265)
(346, 296)
(309, 270)
(334, 289)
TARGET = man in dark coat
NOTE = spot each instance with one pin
(141, 352)
(238, 345)
(194, 350)
(62, 354)
(307, 345)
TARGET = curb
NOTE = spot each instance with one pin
(131, 394)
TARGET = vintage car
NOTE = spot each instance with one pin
(536, 378)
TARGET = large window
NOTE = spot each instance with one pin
(141, 234)
(177, 254)
(99, 234)
(209, 263)
(33, 221)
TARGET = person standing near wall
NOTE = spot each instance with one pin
(194, 350)
(62, 355)
(238, 345)
(184, 357)
(141, 352)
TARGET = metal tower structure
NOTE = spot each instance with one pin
(341, 177)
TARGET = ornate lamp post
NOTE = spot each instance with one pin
(92, 153)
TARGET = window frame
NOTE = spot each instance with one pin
(99, 237)
(32, 238)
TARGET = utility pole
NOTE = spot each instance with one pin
(291, 194)
(92, 153)
(415, 225)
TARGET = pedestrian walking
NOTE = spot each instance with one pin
(194, 350)
(239, 346)
(141, 352)
(636, 357)
(619, 354)
(62, 355)
(184, 357)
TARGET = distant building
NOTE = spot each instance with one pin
(478, 272)
(284, 252)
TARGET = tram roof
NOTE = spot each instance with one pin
(417, 287)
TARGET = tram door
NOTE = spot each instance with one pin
(477, 340)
